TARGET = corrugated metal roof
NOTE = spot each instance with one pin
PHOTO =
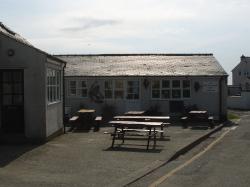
(142, 65)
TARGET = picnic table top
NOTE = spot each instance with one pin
(198, 112)
(86, 111)
(142, 117)
(123, 123)
(134, 113)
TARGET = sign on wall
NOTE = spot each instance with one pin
(210, 86)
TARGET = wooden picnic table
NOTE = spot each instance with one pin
(83, 111)
(86, 117)
(134, 113)
(145, 118)
(133, 126)
(198, 116)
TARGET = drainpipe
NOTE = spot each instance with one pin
(63, 99)
(221, 117)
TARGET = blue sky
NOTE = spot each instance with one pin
(134, 26)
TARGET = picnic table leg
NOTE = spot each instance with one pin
(162, 132)
(114, 135)
(154, 137)
(123, 134)
(149, 136)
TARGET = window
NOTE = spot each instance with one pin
(176, 89)
(165, 89)
(239, 73)
(119, 89)
(133, 90)
(186, 88)
(83, 89)
(108, 89)
(156, 89)
(53, 85)
(72, 88)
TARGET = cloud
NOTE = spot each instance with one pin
(82, 24)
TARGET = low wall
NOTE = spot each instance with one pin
(239, 102)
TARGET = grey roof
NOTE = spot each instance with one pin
(243, 59)
(8, 32)
(11, 34)
(142, 65)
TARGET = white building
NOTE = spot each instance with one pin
(239, 92)
(241, 73)
(144, 81)
(31, 89)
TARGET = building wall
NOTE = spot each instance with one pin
(239, 102)
(241, 74)
(32, 62)
(54, 111)
(205, 98)
(40, 118)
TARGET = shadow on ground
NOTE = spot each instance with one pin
(10, 153)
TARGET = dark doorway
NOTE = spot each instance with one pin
(11, 101)
(176, 106)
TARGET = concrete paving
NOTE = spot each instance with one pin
(85, 159)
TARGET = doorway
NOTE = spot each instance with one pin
(12, 101)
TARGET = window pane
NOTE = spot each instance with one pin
(7, 76)
(156, 84)
(119, 84)
(18, 88)
(83, 84)
(176, 84)
(108, 84)
(108, 94)
(155, 94)
(84, 92)
(165, 94)
(176, 93)
(72, 87)
(7, 88)
(165, 84)
(17, 76)
(17, 99)
(186, 84)
(119, 94)
(186, 93)
(7, 99)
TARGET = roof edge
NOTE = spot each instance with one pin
(139, 54)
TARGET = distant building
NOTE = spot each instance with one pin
(239, 92)
(166, 82)
(241, 73)
(31, 89)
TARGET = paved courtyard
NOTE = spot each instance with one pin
(85, 159)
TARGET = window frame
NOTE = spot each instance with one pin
(80, 88)
(171, 88)
(53, 85)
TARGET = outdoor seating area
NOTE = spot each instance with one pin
(84, 119)
(140, 125)
(195, 117)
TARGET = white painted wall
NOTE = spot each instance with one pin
(33, 62)
(203, 98)
(239, 102)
